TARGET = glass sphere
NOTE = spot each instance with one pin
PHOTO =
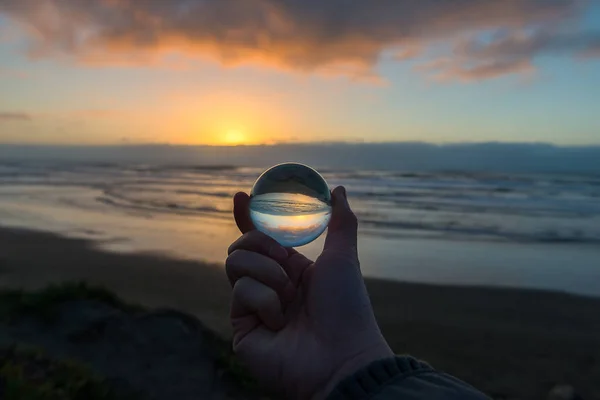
(291, 203)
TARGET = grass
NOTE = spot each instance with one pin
(28, 374)
(43, 303)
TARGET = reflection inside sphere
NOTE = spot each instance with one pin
(291, 203)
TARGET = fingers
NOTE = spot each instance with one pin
(343, 227)
(260, 243)
(252, 297)
(293, 262)
(241, 212)
(244, 263)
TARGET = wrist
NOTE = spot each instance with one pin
(352, 365)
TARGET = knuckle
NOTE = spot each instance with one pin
(280, 281)
(246, 240)
(269, 299)
(271, 275)
(238, 295)
(241, 286)
(258, 237)
(231, 248)
(253, 240)
(233, 260)
(235, 245)
(246, 264)
(235, 293)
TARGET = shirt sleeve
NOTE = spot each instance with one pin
(403, 378)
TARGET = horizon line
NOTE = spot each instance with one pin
(301, 144)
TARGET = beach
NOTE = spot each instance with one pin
(511, 343)
(492, 277)
(492, 229)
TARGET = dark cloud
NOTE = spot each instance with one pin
(14, 116)
(333, 36)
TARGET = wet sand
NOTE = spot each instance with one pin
(511, 343)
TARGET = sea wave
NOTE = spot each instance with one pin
(162, 207)
(489, 233)
(458, 205)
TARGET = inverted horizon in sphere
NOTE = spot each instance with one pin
(291, 203)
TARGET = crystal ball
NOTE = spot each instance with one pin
(291, 203)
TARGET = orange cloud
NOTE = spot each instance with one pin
(337, 37)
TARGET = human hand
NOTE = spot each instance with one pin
(301, 326)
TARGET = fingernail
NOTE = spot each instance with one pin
(277, 252)
(289, 293)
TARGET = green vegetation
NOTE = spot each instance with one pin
(43, 303)
(28, 374)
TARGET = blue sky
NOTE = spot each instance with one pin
(190, 93)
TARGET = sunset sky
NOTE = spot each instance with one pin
(271, 71)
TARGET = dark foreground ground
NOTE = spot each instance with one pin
(76, 342)
(512, 344)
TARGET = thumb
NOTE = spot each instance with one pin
(343, 227)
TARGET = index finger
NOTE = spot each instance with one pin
(295, 264)
(241, 212)
(258, 242)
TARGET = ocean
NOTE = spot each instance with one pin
(465, 228)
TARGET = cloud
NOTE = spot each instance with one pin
(340, 37)
(465, 70)
(14, 116)
(511, 52)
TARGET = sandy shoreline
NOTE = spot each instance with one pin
(511, 343)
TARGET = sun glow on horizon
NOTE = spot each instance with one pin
(227, 119)
(235, 137)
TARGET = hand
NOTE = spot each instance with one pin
(301, 326)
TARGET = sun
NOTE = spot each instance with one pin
(234, 137)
